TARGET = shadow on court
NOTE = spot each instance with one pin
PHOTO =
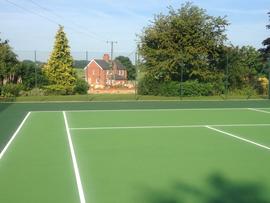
(218, 189)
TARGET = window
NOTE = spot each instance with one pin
(93, 72)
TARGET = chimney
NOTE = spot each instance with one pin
(106, 57)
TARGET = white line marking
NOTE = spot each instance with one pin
(131, 110)
(258, 110)
(74, 161)
(109, 110)
(14, 135)
(237, 137)
(173, 126)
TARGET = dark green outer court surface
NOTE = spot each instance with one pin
(155, 165)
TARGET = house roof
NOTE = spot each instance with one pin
(105, 65)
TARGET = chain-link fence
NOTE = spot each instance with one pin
(43, 56)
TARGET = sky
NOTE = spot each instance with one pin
(89, 24)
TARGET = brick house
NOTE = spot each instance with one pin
(100, 73)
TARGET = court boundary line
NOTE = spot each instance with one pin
(131, 110)
(238, 137)
(169, 126)
(14, 135)
(74, 161)
(259, 110)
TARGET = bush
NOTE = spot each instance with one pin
(262, 85)
(33, 92)
(11, 90)
(81, 87)
(58, 90)
(194, 88)
(148, 86)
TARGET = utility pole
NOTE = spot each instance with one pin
(86, 55)
(112, 43)
(35, 59)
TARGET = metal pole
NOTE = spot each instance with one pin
(269, 78)
(136, 68)
(227, 76)
(181, 82)
(35, 58)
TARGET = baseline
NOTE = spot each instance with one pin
(238, 137)
(14, 135)
(131, 110)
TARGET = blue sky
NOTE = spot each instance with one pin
(90, 23)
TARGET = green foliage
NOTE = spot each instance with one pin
(194, 88)
(244, 64)
(148, 86)
(33, 92)
(28, 75)
(266, 43)
(131, 71)
(81, 87)
(9, 69)
(80, 64)
(185, 38)
(59, 69)
(58, 90)
(11, 90)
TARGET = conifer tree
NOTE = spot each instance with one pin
(59, 69)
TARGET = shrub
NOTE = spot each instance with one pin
(58, 90)
(194, 88)
(148, 86)
(81, 87)
(33, 92)
(262, 85)
(11, 90)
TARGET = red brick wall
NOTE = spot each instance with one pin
(94, 72)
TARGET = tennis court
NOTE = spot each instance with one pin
(143, 155)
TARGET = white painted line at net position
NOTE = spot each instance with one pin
(14, 135)
(74, 161)
(259, 110)
(176, 126)
(237, 137)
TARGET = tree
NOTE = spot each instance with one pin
(8, 64)
(59, 69)
(186, 38)
(244, 65)
(131, 71)
(30, 74)
(266, 43)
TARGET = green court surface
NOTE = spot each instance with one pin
(139, 156)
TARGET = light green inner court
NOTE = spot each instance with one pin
(146, 156)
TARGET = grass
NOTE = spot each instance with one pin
(121, 97)
(149, 156)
